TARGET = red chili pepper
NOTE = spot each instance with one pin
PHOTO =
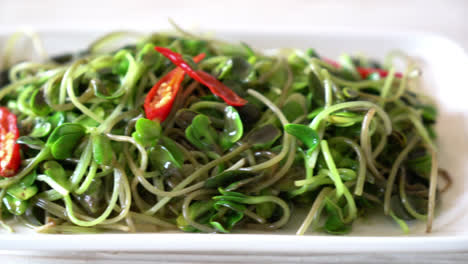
(159, 101)
(332, 62)
(364, 72)
(10, 158)
(215, 86)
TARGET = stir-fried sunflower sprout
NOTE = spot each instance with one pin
(337, 140)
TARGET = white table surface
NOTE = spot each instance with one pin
(447, 18)
(146, 258)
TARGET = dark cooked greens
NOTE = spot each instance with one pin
(337, 139)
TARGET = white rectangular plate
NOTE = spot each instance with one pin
(444, 67)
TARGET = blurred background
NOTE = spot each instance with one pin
(443, 17)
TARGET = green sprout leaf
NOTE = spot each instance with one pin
(57, 119)
(233, 128)
(28, 180)
(312, 53)
(14, 205)
(295, 106)
(56, 177)
(64, 138)
(120, 63)
(148, 129)
(147, 132)
(90, 122)
(347, 174)
(345, 119)
(193, 47)
(421, 165)
(102, 149)
(175, 150)
(148, 56)
(22, 193)
(200, 211)
(201, 134)
(235, 68)
(226, 221)
(91, 200)
(230, 196)
(305, 134)
(38, 104)
(24, 189)
(31, 142)
(429, 113)
(41, 128)
(265, 210)
(162, 159)
(265, 135)
(24, 98)
(334, 223)
(227, 177)
(335, 226)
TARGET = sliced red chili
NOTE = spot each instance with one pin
(364, 72)
(332, 62)
(221, 90)
(10, 158)
(178, 60)
(215, 86)
(159, 101)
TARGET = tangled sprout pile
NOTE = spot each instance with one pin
(206, 136)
